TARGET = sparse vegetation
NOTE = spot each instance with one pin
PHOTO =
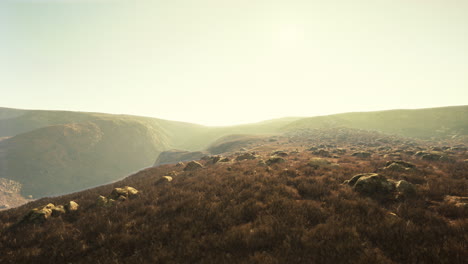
(297, 211)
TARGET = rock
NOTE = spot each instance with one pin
(431, 157)
(405, 188)
(261, 163)
(193, 165)
(102, 201)
(4, 206)
(279, 153)
(246, 156)
(163, 179)
(58, 210)
(213, 159)
(127, 192)
(457, 201)
(180, 164)
(38, 215)
(402, 163)
(71, 206)
(361, 154)
(224, 160)
(373, 183)
(355, 178)
(275, 160)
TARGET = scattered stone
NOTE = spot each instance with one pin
(399, 166)
(102, 201)
(38, 215)
(164, 179)
(58, 210)
(246, 156)
(193, 165)
(71, 206)
(127, 192)
(275, 160)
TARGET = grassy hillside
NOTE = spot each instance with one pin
(65, 158)
(295, 211)
(420, 123)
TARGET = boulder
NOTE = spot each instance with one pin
(373, 183)
(127, 192)
(71, 206)
(405, 188)
(399, 166)
(103, 201)
(38, 215)
(193, 165)
(58, 210)
(163, 179)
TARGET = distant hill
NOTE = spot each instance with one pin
(55, 152)
(418, 123)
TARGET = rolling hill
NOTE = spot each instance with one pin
(56, 152)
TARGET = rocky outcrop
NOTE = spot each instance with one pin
(41, 214)
(193, 165)
(123, 193)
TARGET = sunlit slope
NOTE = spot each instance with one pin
(420, 123)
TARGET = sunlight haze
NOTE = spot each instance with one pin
(219, 62)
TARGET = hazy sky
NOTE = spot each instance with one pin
(220, 62)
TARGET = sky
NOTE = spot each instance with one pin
(224, 62)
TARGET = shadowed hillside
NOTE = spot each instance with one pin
(310, 201)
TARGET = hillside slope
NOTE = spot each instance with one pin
(65, 158)
(267, 210)
(441, 122)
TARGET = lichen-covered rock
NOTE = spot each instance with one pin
(193, 165)
(38, 215)
(163, 179)
(71, 206)
(405, 188)
(58, 210)
(373, 183)
(127, 192)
